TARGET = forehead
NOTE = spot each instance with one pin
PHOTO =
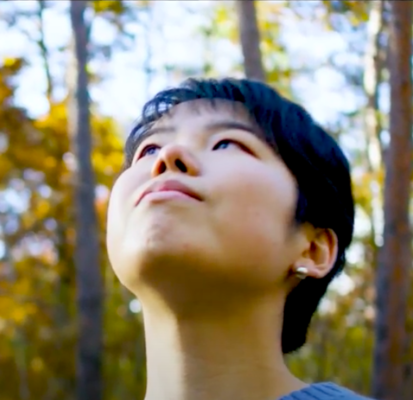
(202, 112)
(201, 116)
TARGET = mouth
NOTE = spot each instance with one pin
(169, 189)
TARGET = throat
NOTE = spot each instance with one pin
(236, 357)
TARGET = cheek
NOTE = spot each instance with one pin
(126, 188)
(121, 200)
(114, 225)
(257, 207)
(259, 190)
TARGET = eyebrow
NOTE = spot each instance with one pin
(210, 128)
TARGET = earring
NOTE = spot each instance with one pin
(301, 273)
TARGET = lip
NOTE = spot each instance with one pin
(172, 186)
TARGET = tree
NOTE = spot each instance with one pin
(396, 255)
(88, 274)
(37, 213)
(250, 39)
(373, 76)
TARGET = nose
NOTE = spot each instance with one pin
(176, 158)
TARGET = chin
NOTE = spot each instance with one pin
(182, 254)
(160, 253)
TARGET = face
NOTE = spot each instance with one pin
(205, 208)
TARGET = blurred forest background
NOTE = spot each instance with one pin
(73, 77)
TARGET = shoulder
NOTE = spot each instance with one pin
(325, 391)
(345, 394)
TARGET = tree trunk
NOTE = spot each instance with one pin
(373, 72)
(88, 274)
(396, 257)
(250, 39)
(44, 51)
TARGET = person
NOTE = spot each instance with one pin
(230, 219)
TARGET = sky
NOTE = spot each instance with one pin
(172, 39)
(170, 36)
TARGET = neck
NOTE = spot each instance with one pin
(222, 357)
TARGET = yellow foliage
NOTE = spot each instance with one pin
(115, 6)
(37, 272)
(357, 12)
(37, 286)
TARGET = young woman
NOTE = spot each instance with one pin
(231, 218)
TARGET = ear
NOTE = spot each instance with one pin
(320, 255)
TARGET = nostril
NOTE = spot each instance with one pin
(181, 166)
(162, 168)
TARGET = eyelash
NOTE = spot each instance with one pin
(146, 148)
(237, 143)
(231, 141)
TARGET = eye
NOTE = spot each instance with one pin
(149, 150)
(224, 144)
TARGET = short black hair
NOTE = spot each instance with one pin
(321, 170)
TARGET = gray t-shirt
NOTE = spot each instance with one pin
(324, 391)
